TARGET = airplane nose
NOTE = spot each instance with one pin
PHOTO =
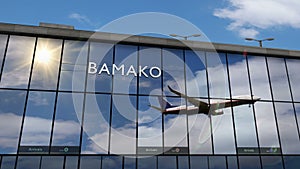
(256, 98)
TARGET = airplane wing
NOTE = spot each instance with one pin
(194, 101)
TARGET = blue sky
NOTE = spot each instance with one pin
(223, 21)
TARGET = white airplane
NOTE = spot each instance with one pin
(198, 106)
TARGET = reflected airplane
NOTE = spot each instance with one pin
(199, 107)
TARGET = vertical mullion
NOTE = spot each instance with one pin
(187, 117)
(137, 110)
(162, 94)
(287, 74)
(56, 97)
(83, 107)
(4, 56)
(111, 103)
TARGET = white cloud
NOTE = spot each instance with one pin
(248, 16)
(82, 19)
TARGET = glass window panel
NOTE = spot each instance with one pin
(150, 57)
(196, 80)
(239, 79)
(73, 66)
(167, 162)
(217, 162)
(279, 81)
(259, 77)
(175, 126)
(11, 113)
(245, 126)
(266, 125)
(183, 162)
(173, 71)
(46, 64)
(199, 162)
(8, 162)
(50, 162)
(147, 162)
(90, 162)
(71, 162)
(297, 108)
(149, 123)
(130, 162)
(271, 162)
(223, 133)
(38, 119)
(291, 162)
(3, 40)
(28, 162)
(18, 61)
(232, 162)
(123, 127)
(200, 134)
(217, 75)
(100, 53)
(288, 130)
(249, 162)
(125, 55)
(67, 122)
(111, 162)
(96, 124)
(293, 71)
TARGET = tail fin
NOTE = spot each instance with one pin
(164, 104)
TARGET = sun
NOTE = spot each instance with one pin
(44, 56)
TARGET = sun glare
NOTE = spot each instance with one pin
(44, 56)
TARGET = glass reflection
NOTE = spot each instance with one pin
(232, 162)
(28, 162)
(125, 55)
(217, 75)
(100, 53)
(198, 162)
(266, 125)
(183, 162)
(73, 66)
(3, 40)
(38, 119)
(8, 162)
(111, 162)
(271, 162)
(166, 162)
(96, 124)
(291, 162)
(278, 77)
(293, 72)
(130, 162)
(147, 162)
(196, 80)
(223, 133)
(46, 64)
(67, 123)
(200, 141)
(173, 71)
(297, 109)
(11, 113)
(123, 127)
(259, 77)
(149, 123)
(288, 130)
(71, 162)
(50, 162)
(245, 126)
(18, 61)
(249, 162)
(217, 162)
(238, 72)
(150, 57)
(175, 126)
(90, 162)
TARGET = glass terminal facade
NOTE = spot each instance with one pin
(57, 110)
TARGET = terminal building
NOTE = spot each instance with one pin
(80, 99)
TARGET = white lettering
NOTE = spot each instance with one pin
(104, 68)
(92, 68)
(158, 70)
(131, 70)
(118, 69)
(141, 71)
